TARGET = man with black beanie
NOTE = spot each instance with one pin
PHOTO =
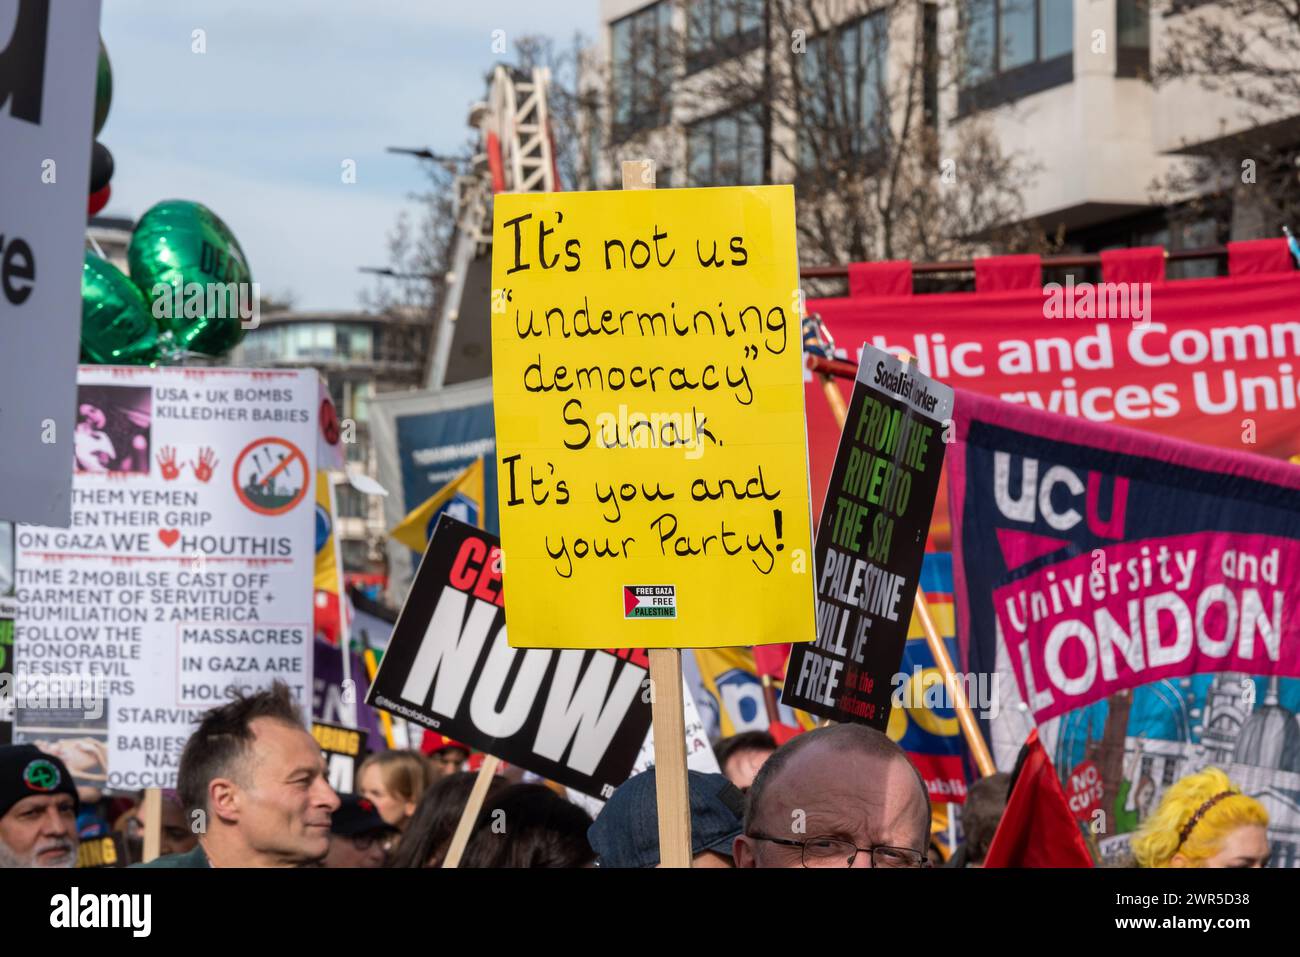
(38, 809)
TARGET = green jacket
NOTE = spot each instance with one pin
(194, 858)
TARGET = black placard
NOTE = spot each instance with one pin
(344, 748)
(107, 851)
(871, 542)
(577, 717)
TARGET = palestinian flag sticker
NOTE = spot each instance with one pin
(649, 601)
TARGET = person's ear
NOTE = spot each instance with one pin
(408, 808)
(744, 851)
(224, 799)
(1179, 860)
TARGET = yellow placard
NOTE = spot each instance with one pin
(652, 454)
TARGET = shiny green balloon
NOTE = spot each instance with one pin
(190, 267)
(116, 325)
(103, 88)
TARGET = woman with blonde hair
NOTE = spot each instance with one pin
(394, 781)
(1204, 821)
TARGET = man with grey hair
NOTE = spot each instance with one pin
(38, 809)
(843, 796)
(253, 781)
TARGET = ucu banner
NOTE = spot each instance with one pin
(1093, 559)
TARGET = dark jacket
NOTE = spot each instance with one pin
(194, 858)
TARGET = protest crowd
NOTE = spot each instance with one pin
(839, 796)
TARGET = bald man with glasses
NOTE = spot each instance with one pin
(843, 796)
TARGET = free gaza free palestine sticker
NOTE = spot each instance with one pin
(649, 601)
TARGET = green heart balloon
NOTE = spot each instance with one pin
(103, 87)
(191, 269)
(116, 326)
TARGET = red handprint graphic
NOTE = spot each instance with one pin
(204, 464)
(167, 462)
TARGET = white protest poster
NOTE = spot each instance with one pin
(188, 568)
(48, 54)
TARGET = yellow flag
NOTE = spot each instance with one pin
(735, 692)
(327, 571)
(460, 498)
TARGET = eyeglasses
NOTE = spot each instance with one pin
(832, 852)
(368, 839)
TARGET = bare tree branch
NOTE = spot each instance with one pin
(1249, 52)
(853, 127)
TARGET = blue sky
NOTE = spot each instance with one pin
(258, 126)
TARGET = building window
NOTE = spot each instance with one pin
(350, 502)
(642, 66)
(362, 393)
(725, 150)
(1196, 234)
(980, 37)
(343, 345)
(307, 342)
(930, 46)
(1176, 229)
(1014, 48)
(1018, 44)
(844, 73)
(1133, 28)
(717, 30)
(1055, 28)
(353, 343)
(262, 345)
(356, 555)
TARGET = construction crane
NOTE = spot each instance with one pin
(517, 154)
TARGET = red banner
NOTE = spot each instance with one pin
(1215, 361)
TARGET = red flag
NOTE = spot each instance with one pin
(781, 733)
(770, 660)
(1037, 828)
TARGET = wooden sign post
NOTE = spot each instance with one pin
(151, 812)
(672, 787)
(465, 827)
